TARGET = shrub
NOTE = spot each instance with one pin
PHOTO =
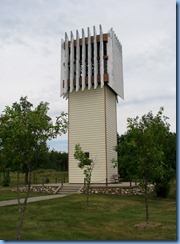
(162, 189)
(46, 181)
(6, 179)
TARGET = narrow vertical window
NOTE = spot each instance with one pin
(87, 154)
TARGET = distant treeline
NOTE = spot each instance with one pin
(55, 160)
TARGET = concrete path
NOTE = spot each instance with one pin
(30, 199)
(47, 197)
(74, 188)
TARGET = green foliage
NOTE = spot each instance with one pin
(54, 176)
(142, 153)
(170, 150)
(81, 157)
(86, 164)
(146, 151)
(24, 132)
(6, 178)
(162, 189)
(56, 160)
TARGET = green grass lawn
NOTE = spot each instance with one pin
(39, 174)
(8, 194)
(52, 175)
(107, 218)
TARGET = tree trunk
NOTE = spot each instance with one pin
(146, 203)
(146, 192)
(22, 213)
(18, 194)
(26, 178)
(88, 187)
(87, 198)
(6, 178)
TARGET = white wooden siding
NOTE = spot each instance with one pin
(92, 124)
(111, 131)
(87, 127)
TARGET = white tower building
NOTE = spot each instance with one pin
(91, 80)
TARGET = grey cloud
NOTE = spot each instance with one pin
(30, 36)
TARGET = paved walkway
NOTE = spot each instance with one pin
(30, 199)
(47, 197)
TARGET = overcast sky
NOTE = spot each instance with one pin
(30, 37)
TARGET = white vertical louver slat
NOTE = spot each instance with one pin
(117, 73)
(72, 63)
(62, 67)
(121, 72)
(83, 61)
(66, 65)
(89, 60)
(120, 85)
(101, 57)
(95, 58)
(77, 61)
(110, 58)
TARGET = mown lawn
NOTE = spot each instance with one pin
(37, 176)
(6, 193)
(107, 218)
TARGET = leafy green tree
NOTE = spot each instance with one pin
(87, 165)
(125, 169)
(142, 152)
(4, 167)
(170, 150)
(24, 132)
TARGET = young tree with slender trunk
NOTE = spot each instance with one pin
(142, 152)
(87, 165)
(24, 132)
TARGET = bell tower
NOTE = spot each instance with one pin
(91, 80)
